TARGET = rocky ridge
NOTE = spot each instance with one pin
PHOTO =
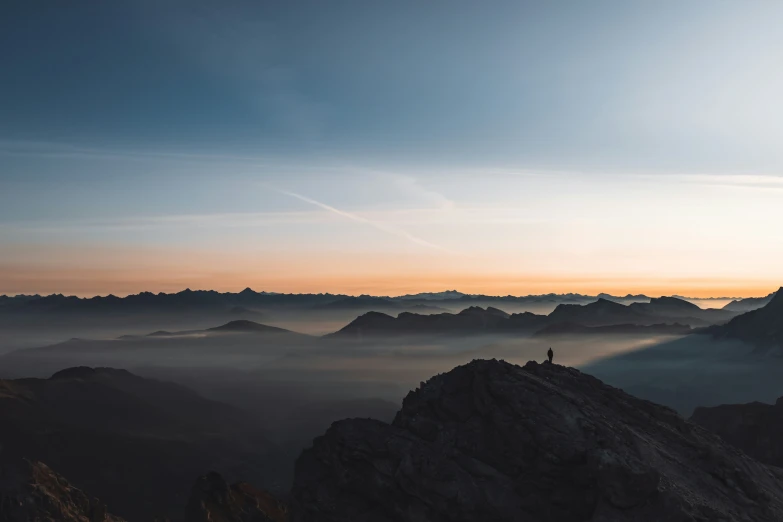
(495, 441)
(30, 491)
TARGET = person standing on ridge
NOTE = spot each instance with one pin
(550, 354)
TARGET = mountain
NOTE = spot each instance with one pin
(667, 305)
(470, 320)
(755, 428)
(212, 499)
(762, 327)
(749, 304)
(176, 303)
(615, 329)
(495, 441)
(664, 315)
(251, 302)
(624, 299)
(32, 492)
(256, 343)
(602, 312)
(245, 326)
(135, 443)
(670, 310)
(433, 296)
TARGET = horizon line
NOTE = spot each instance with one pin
(390, 296)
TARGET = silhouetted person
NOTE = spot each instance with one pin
(550, 354)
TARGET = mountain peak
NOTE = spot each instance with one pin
(86, 372)
(673, 302)
(245, 325)
(471, 443)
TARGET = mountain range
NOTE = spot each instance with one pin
(661, 315)
(250, 299)
(487, 440)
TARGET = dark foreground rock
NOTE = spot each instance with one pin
(213, 500)
(491, 441)
(31, 492)
(755, 428)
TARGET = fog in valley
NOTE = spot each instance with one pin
(290, 371)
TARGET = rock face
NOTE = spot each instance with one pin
(755, 428)
(213, 500)
(30, 491)
(492, 441)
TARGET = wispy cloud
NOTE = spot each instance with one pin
(389, 229)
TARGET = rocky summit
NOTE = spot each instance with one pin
(491, 441)
(31, 492)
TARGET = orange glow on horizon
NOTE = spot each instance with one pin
(121, 283)
(86, 272)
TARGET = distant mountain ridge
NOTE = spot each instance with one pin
(665, 315)
(248, 299)
(469, 320)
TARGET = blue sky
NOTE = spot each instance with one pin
(527, 145)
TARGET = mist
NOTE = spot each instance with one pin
(298, 381)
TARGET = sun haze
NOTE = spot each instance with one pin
(356, 148)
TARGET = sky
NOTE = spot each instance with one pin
(391, 147)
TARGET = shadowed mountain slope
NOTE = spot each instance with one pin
(762, 327)
(135, 443)
(755, 428)
(749, 303)
(495, 441)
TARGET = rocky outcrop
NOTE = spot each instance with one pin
(755, 428)
(492, 441)
(30, 491)
(213, 500)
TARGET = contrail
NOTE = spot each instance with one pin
(360, 219)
